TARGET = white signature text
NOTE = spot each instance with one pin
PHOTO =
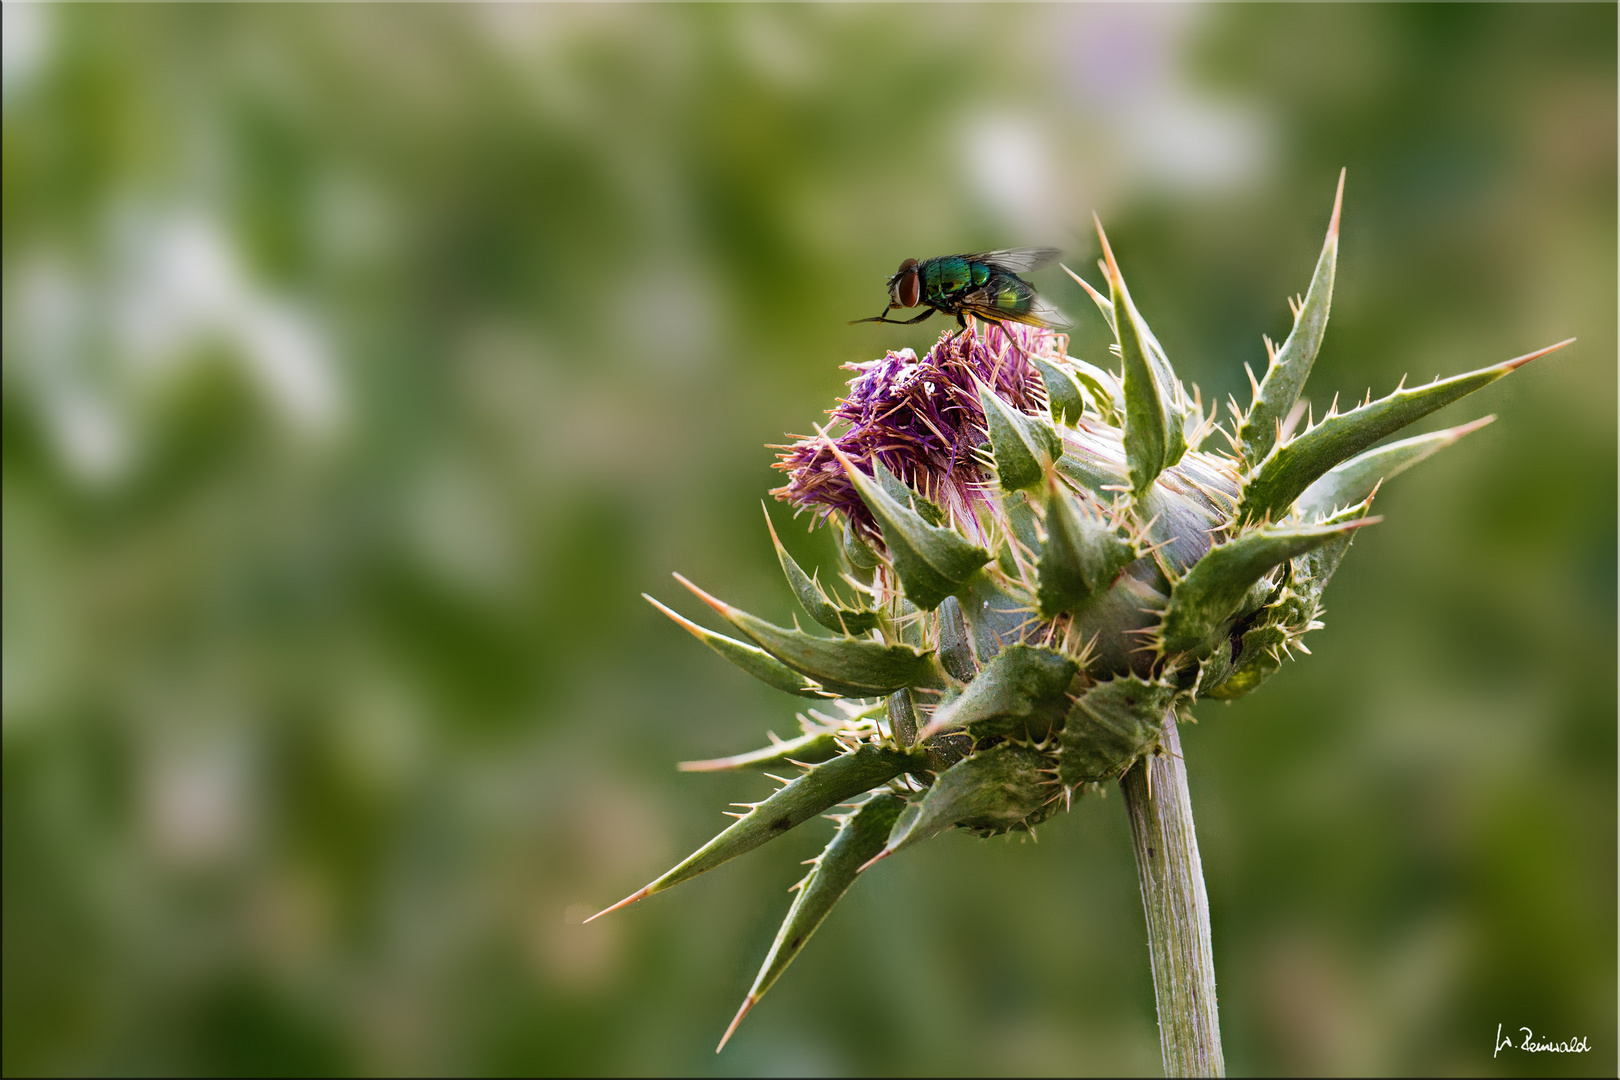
(1576, 1045)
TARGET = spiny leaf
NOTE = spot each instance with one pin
(1258, 653)
(1106, 392)
(1212, 590)
(907, 496)
(811, 749)
(1287, 370)
(1104, 305)
(1112, 725)
(1024, 446)
(1259, 657)
(1353, 481)
(1063, 393)
(1082, 557)
(1291, 468)
(822, 608)
(1020, 518)
(860, 836)
(1155, 415)
(847, 666)
(1101, 387)
(1022, 683)
(931, 562)
(857, 551)
(821, 788)
(991, 792)
(752, 659)
(1312, 569)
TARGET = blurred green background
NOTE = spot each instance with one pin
(363, 364)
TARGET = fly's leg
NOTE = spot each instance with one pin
(879, 317)
(950, 335)
(893, 322)
(999, 325)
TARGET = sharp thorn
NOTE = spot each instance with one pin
(1338, 203)
(645, 890)
(1453, 434)
(748, 1003)
(713, 601)
(1111, 267)
(879, 857)
(1520, 361)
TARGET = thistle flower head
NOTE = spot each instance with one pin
(922, 420)
(1048, 563)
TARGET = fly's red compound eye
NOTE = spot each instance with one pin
(909, 289)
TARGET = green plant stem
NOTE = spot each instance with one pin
(1172, 880)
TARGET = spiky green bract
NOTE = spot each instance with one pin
(1022, 691)
(1107, 395)
(752, 659)
(1066, 401)
(1073, 386)
(1024, 447)
(1203, 601)
(1260, 651)
(1010, 786)
(857, 552)
(1082, 556)
(926, 508)
(1292, 467)
(811, 749)
(861, 835)
(1260, 642)
(1311, 570)
(1110, 726)
(836, 617)
(1155, 409)
(848, 666)
(1104, 305)
(821, 788)
(931, 561)
(1290, 365)
(1350, 483)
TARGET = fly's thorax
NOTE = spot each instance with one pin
(945, 276)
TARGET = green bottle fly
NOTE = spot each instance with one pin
(984, 284)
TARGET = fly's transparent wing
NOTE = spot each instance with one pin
(1017, 260)
(1041, 313)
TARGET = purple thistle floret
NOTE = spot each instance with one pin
(921, 419)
